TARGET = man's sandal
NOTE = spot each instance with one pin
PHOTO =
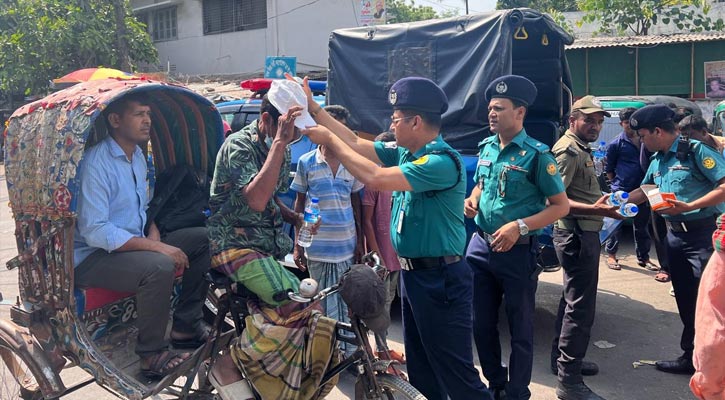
(662, 276)
(164, 363)
(648, 265)
(613, 264)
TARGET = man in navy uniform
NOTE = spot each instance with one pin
(515, 177)
(427, 231)
(695, 173)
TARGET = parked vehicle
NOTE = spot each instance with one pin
(463, 55)
(613, 104)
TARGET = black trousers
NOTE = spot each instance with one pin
(659, 234)
(578, 253)
(511, 275)
(688, 254)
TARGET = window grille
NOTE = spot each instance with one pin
(222, 16)
(160, 24)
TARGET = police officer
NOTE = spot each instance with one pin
(695, 173)
(427, 230)
(515, 176)
(576, 240)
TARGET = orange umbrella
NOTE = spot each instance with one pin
(90, 74)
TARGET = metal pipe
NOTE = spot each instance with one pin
(586, 72)
(692, 70)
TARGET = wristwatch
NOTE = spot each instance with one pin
(523, 228)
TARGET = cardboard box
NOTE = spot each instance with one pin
(658, 200)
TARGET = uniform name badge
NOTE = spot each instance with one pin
(401, 216)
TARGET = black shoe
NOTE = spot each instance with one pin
(498, 393)
(575, 391)
(682, 365)
(589, 368)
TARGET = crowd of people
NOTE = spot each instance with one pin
(412, 211)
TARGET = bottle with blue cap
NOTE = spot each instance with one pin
(598, 157)
(618, 198)
(312, 213)
(629, 210)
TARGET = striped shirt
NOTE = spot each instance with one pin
(336, 239)
(112, 200)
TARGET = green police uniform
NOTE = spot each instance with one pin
(580, 179)
(427, 222)
(515, 180)
(688, 180)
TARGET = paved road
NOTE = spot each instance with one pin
(634, 313)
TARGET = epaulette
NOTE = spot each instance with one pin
(486, 140)
(536, 145)
(571, 150)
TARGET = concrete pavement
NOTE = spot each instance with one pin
(634, 312)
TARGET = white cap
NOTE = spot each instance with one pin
(286, 94)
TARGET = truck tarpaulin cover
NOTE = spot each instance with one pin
(461, 54)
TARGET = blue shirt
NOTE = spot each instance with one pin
(427, 221)
(112, 200)
(336, 239)
(623, 161)
(515, 181)
(689, 180)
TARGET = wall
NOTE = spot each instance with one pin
(293, 29)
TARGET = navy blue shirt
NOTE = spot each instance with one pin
(623, 161)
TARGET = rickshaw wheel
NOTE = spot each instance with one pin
(16, 379)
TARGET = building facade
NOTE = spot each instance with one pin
(220, 37)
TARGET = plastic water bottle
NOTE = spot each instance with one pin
(618, 198)
(312, 212)
(598, 156)
(629, 210)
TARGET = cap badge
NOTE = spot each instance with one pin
(393, 97)
(596, 102)
(633, 123)
(501, 87)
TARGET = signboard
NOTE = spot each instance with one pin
(372, 12)
(715, 79)
(276, 67)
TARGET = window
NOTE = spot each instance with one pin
(160, 24)
(221, 16)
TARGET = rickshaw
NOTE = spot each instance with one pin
(55, 325)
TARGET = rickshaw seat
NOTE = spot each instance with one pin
(93, 298)
(220, 279)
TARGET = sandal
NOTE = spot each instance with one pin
(662, 276)
(200, 337)
(164, 363)
(648, 265)
(613, 264)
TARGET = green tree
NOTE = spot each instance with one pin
(541, 5)
(44, 39)
(408, 11)
(636, 17)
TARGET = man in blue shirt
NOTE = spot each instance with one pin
(695, 173)
(625, 173)
(113, 252)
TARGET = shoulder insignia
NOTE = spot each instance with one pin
(551, 169)
(536, 145)
(390, 145)
(572, 150)
(422, 160)
(709, 162)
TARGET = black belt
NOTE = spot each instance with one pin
(690, 226)
(414, 264)
(489, 238)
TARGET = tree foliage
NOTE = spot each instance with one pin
(408, 11)
(540, 5)
(636, 17)
(44, 39)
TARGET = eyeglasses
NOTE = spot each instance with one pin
(395, 121)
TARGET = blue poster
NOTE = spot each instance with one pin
(276, 67)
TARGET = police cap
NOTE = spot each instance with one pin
(512, 87)
(650, 116)
(418, 94)
(589, 105)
